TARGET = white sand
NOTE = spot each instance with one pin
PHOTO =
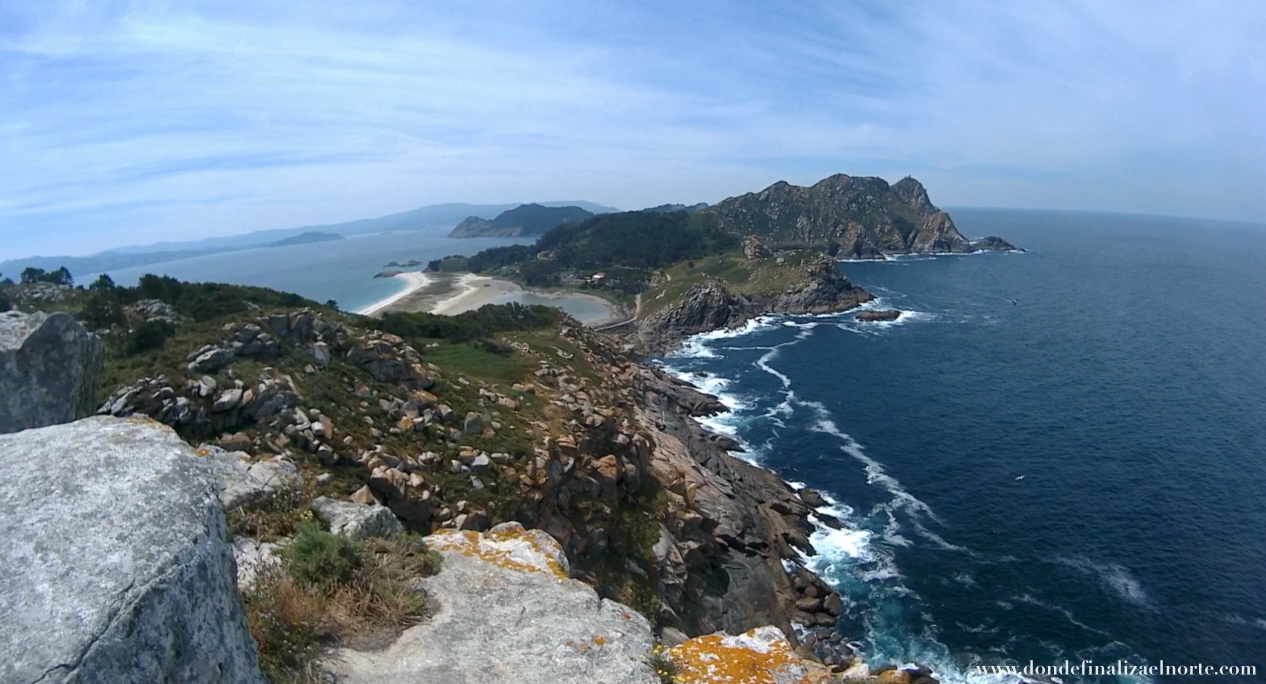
(475, 291)
(414, 281)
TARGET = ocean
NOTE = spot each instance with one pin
(1078, 475)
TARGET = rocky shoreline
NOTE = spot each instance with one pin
(714, 305)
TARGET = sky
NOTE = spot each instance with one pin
(126, 123)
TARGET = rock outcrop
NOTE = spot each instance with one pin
(357, 521)
(116, 563)
(854, 217)
(509, 613)
(49, 370)
(885, 315)
(818, 287)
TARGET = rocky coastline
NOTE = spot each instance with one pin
(307, 410)
(818, 287)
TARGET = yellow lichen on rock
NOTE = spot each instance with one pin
(507, 545)
(761, 656)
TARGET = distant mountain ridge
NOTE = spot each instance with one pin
(849, 216)
(523, 220)
(431, 216)
(306, 238)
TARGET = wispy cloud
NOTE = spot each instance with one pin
(129, 122)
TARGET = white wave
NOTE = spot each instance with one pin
(875, 473)
(763, 364)
(1245, 622)
(1114, 576)
(696, 346)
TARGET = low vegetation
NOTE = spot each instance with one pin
(627, 248)
(329, 589)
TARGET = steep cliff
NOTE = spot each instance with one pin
(856, 217)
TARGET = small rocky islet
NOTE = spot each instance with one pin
(555, 476)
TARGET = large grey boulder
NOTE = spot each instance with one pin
(357, 521)
(116, 563)
(49, 370)
(508, 613)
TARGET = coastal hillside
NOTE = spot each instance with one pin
(525, 219)
(306, 238)
(849, 217)
(505, 414)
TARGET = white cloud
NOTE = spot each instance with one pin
(152, 120)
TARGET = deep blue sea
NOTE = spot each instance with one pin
(1079, 475)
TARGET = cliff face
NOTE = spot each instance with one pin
(857, 217)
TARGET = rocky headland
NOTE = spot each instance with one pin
(760, 282)
(851, 217)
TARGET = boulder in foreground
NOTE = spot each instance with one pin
(49, 370)
(116, 563)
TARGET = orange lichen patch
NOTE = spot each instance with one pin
(507, 545)
(761, 656)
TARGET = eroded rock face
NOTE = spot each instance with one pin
(856, 217)
(508, 613)
(49, 370)
(116, 563)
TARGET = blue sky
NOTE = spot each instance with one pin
(132, 122)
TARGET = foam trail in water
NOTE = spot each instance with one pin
(859, 554)
(1114, 576)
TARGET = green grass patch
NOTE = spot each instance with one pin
(479, 363)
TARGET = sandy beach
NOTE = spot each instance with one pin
(450, 294)
(475, 291)
(415, 280)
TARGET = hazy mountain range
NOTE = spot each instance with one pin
(431, 216)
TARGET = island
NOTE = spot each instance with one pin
(523, 220)
(682, 270)
(306, 239)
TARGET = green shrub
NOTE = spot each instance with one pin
(321, 559)
(102, 311)
(148, 335)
